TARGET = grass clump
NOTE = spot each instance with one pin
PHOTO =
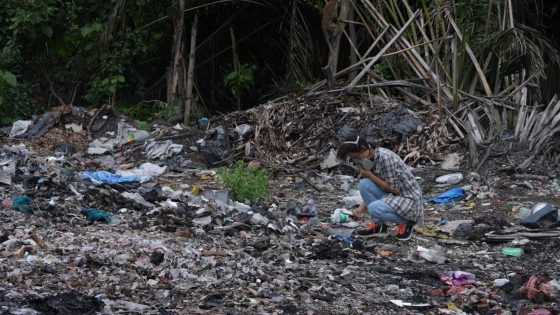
(247, 184)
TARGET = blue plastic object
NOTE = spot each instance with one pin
(22, 203)
(108, 177)
(96, 215)
(443, 221)
(451, 195)
(203, 122)
(348, 240)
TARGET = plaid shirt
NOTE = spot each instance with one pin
(391, 168)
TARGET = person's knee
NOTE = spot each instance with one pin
(364, 184)
(375, 209)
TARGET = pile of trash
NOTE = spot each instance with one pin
(131, 221)
(299, 133)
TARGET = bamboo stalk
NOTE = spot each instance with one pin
(416, 61)
(528, 126)
(476, 132)
(510, 7)
(521, 113)
(455, 73)
(176, 64)
(190, 71)
(547, 123)
(409, 56)
(471, 54)
(236, 65)
(382, 51)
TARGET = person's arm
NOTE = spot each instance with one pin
(377, 180)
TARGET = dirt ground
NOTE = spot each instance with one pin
(176, 253)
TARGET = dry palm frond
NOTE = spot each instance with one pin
(298, 66)
(524, 52)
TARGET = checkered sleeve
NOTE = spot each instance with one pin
(390, 171)
(395, 172)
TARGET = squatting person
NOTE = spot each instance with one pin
(389, 191)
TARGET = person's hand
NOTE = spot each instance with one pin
(359, 212)
(360, 169)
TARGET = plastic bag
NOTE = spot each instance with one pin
(93, 215)
(108, 177)
(451, 195)
(22, 203)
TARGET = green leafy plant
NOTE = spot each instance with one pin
(12, 90)
(246, 183)
(142, 125)
(241, 81)
(148, 110)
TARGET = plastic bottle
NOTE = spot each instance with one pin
(450, 179)
(523, 212)
(512, 251)
(130, 137)
(258, 218)
(500, 282)
(311, 208)
(339, 216)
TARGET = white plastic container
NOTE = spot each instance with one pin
(450, 179)
(340, 216)
(500, 282)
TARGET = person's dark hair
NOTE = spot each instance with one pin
(352, 143)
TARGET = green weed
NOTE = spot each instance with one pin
(247, 184)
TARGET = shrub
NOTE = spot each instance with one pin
(246, 183)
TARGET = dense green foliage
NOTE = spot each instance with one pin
(90, 52)
(81, 49)
(246, 183)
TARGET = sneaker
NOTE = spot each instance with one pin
(372, 228)
(404, 231)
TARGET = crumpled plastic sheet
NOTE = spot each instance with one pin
(93, 215)
(401, 121)
(243, 130)
(352, 199)
(20, 127)
(215, 147)
(41, 126)
(162, 149)
(101, 146)
(144, 172)
(7, 170)
(458, 278)
(536, 286)
(421, 254)
(22, 203)
(451, 195)
(137, 198)
(108, 177)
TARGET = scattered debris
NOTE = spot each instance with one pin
(458, 278)
(537, 289)
(451, 162)
(434, 255)
(171, 240)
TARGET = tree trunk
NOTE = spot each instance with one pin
(353, 54)
(190, 72)
(175, 86)
(236, 65)
(337, 36)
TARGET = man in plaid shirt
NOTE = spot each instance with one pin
(389, 191)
